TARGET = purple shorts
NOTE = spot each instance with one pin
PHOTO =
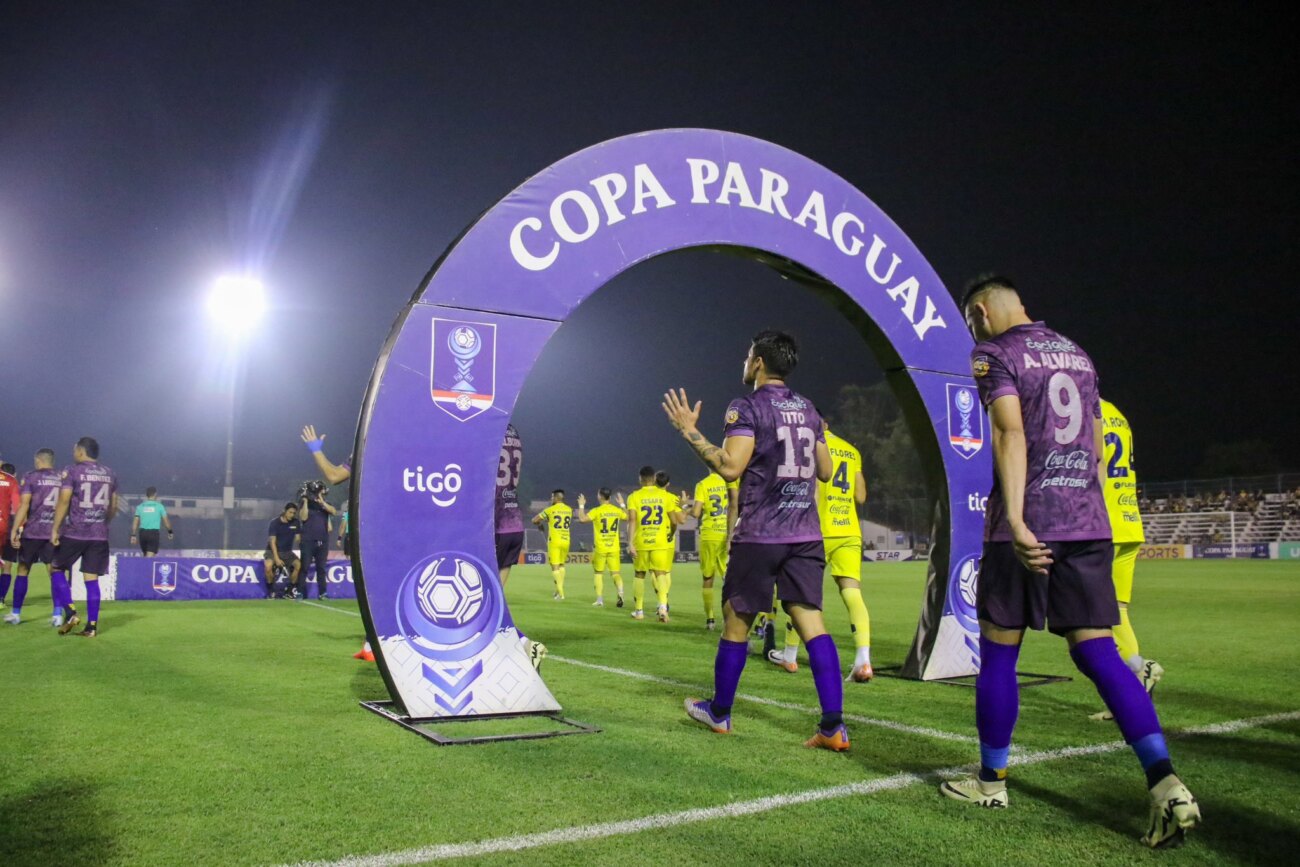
(1077, 592)
(35, 551)
(93, 554)
(509, 547)
(795, 568)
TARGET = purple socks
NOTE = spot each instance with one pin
(824, 660)
(727, 666)
(4, 586)
(1128, 702)
(60, 590)
(997, 705)
(92, 602)
(20, 593)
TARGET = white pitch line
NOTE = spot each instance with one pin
(750, 807)
(756, 699)
(923, 731)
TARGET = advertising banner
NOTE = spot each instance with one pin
(189, 578)
(1242, 550)
(1288, 550)
(1165, 552)
(895, 556)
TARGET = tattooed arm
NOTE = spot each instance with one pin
(729, 460)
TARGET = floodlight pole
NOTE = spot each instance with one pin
(228, 492)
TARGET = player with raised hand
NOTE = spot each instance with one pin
(605, 520)
(88, 501)
(1047, 551)
(1120, 488)
(557, 518)
(31, 533)
(334, 473)
(773, 443)
(714, 508)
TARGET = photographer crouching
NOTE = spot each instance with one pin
(314, 513)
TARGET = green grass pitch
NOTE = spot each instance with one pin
(229, 733)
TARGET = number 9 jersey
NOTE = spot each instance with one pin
(1060, 406)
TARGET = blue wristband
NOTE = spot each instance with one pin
(315, 445)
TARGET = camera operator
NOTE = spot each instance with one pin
(314, 512)
(279, 559)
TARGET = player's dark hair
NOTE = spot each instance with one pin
(983, 283)
(559, 491)
(151, 491)
(9, 468)
(661, 479)
(47, 454)
(90, 446)
(606, 493)
(288, 506)
(647, 473)
(779, 351)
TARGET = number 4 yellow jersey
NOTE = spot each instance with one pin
(837, 502)
(1120, 489)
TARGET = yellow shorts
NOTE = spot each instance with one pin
(557, 555)
(653, 561)
(844, 556)
(1126, 554)
(713, 558)
(605, 561)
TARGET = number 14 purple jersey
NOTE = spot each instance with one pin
(1060, 405)
(778, 491)
(92, 485)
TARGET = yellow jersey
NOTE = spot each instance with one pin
(604, 526)
(649, 509)
(712, 492)
(1121, 480)
(559, 518)
(837, 502)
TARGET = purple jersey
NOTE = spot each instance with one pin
(43, 488)
(1060, 404)
(778, 491)
(508, 517)
(93, 487)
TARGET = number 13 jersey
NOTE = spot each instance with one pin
(778, 491)
(1060, 405)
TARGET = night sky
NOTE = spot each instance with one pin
(1133, 170)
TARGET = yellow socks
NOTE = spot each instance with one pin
(858, 616)
(600, 584)
(638, 593)
(1125, 638)
(558, 576)
(663, 583)
(707, 593)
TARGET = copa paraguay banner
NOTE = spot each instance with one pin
(193, 578)
(1242, 550)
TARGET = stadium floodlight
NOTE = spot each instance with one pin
(236, 303)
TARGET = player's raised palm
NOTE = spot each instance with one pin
(678, 408)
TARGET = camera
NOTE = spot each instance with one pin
(310, 490)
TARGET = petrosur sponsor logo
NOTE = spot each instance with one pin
(442, 486)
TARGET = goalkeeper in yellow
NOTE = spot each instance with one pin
(1120, 492)
(557, 518)
(715, 510)
(605, 520)
(653, 515)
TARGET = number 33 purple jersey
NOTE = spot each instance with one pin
(778, 492)
(1060, 404)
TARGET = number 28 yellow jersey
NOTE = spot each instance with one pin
(1121, 480)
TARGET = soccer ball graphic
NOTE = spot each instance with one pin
(970, 573)
(464, 342)
(450, 592)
